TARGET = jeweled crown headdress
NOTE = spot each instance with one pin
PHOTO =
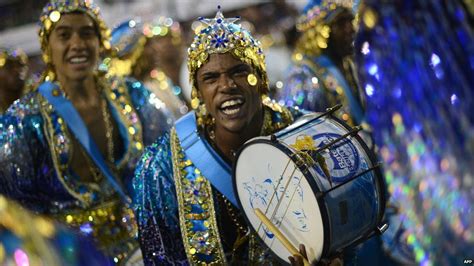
(222, 35)
(314, 23)
(52, 13)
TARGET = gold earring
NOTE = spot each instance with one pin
(195, 102)
(46, 58)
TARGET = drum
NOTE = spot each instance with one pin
(316, 182)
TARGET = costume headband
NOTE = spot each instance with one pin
(52, 14)
(222, 35)
(314, 24)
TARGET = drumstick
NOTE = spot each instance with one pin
(279, 235)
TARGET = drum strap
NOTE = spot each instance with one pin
(75, 123)
(203, 156)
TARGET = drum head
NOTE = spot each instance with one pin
(283, 193)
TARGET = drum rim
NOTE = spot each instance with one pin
(312, 183)
(313, 116)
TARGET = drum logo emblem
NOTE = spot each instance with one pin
(342, 159)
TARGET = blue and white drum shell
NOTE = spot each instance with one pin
(270, 175)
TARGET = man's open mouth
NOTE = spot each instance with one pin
(232, 106)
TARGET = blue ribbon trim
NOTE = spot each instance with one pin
(203, 156)
(75, 123)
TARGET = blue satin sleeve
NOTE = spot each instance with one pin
(303, 89)
(156, 206)
(155, 117)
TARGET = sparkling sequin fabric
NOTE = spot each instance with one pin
(28, 239)
(35, 154)
(416, 63)
(158, 207)
(311, 86)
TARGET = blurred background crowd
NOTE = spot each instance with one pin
(273, 22)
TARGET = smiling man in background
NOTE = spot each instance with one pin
(69, 148)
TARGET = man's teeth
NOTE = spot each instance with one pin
(231, 103)
(78, 60)
(231, 111)
(231, 107)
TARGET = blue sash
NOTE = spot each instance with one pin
(74, 121)
(354, 106)
(203, 156)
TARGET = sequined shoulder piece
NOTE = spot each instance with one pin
(142, 96)
(29, 104)
(154, 116)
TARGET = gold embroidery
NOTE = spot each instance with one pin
(210, 238)
(60, 146)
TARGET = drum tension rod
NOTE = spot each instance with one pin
(329, 111)
(378, 230)
(350, 133)
(381, 229)
(322, 194)
(333, 109)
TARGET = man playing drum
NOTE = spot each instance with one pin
(185, 203)
(184, 200)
